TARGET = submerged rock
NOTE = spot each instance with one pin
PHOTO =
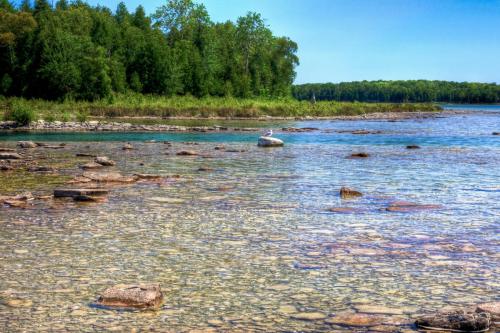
(187, 153)
(105, 161)
(495, 133)
(10, 156)
(493, 308)
(91, 166)
(412, 147)
(72, 193)
(109, 177)
(344, 210)
(41, 169)
(458, 321)
(267, 141)
(406, 207)
(347, 193)
(27, 144)
(308, 316)
(135, 296)
(360, 155)
(147, 176)
(356, 319)
(89, 198)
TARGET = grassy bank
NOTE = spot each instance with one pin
(137, 105)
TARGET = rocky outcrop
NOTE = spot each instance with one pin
(27, 144)
(104, 161)
(132, 296)
(456, 321)
(348, 193)
(10, 156)
(266, 141)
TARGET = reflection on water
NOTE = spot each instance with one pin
(251, 244)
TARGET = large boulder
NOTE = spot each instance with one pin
(132, 296)
(493, 308)
(348, 193)
(103, 160)
(456, 321)
(27, 144)
(267, 141)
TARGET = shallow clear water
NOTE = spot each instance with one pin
(251, 241)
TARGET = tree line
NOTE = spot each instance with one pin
(77, 51)
(417, 91)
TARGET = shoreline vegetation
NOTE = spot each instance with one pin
(147, 106)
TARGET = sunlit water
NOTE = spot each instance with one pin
(243, 257)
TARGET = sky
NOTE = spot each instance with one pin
(353, 40)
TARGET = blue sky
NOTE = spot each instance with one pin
(348, 40)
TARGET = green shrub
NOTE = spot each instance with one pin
(82, 116)
(49, 118)
(20, 113)
(65, 117)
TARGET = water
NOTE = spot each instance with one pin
(246, 246)
(473, 107)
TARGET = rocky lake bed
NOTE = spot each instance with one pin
(361, 226)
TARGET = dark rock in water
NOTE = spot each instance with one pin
(458, 321)
(205, 169)
(266, 141)
(27, 144)
(85, 155)
(10, 156)
(219, 147)
(360, 155)
(89, 198)
(412, 147)
(187, 153)
(347, 193)
(132, 296)
(72, 193)
(91, 165)
(493, 308)
(495, 133)
(41, 169)
(406, 207)
(103, 160)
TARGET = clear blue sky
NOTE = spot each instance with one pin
(348, 40)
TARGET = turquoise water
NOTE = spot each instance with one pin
(252, 244)
(473, 107)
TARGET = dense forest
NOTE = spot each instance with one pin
(79, 52)
(416, 91)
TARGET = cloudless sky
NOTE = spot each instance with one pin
(349, 40)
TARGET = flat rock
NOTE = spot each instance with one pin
(6, 150)
(147, 176)
(91, 166)
(267, 141)
(348, 193)
(356, 319)
(109, 177)
(132, 296)
(308, 316)
(456, 321)
(27, 144)
(105, 161)
(73, 193)
(407, 207)
(376, 309)
(10, 156)
(493, 308)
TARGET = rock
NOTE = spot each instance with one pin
(135, 296)
(147, 176)
(187, 153)
(343, 210)
(27, 144)
(378, 309)
(16, 203)
(41, 169)
(266, 141)
(495, 133)
(84, 155)
(109, 177)
(72, 193)
(91, 166)
(493, 308)
(355, 319)
(360, 155)
(347, 193)
(205, 169)
(105, 161)
(6, 150)
(458, 321)
(127, 146)
(412, 147)
(407, 207)
(19, 303)
(308, 316)
(6, 168)
(88, 198)
(10, 156)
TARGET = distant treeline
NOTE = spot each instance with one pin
(77, 51)
(418, 91)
